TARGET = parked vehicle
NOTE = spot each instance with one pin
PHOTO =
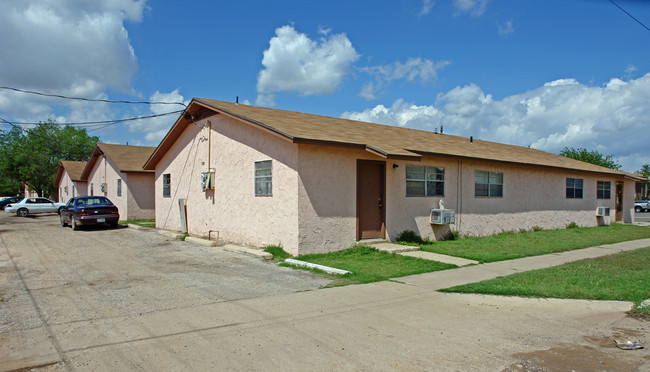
(8, 200)
(36, 205)
(641, 206)
(89, 210)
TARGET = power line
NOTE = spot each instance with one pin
(92, 99)
(631, 16)
(96, 123)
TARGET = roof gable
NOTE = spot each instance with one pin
(74, 169)
(127, 158)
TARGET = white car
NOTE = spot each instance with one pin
(641, 206)
(29, 206)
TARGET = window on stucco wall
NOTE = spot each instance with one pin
(263, 178)
(423, 180)
(167, 185)
(91, 189)
(574, 188)
(604, 190)
(488, 184)
(119, 187)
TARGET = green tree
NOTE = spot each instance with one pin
(33, 155)
(644, 171)
(593, 157)
(10, 141)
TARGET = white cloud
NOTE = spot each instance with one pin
(426, 7)
(473, 7)
(611, 119)
(506, 28)
(295, 63)
(67, 47)
(154, 129)
(630, 71)
(424, 71)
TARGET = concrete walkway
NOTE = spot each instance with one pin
(470, 274)
(413, 251)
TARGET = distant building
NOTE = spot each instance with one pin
(68, 180)
(115, 171)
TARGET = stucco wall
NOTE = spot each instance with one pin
(137, 197)
(532, 197)
(66, 185)
(105, 171)
(231, 210)
(328, 197)
(140, 198)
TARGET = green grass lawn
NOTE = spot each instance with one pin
(624, 277)
(508, 246)
(370, 265)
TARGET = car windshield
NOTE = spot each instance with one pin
(93, 201)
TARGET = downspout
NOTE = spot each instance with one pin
(209, 142)
(459, 194)
(106, 187)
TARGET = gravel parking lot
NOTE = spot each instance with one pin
(98, 272)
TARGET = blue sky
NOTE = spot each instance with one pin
(545, 74)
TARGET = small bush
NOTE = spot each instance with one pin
(572, 225)
(185, 235)
(452, 235)
(409, 236)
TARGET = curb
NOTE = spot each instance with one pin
(327, 269)
(248, 251)
(171, 234)
(134, 226)
(206, 242)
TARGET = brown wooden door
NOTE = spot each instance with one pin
(371, 199)
(619, 201)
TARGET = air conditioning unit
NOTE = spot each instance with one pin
(443, 216)
(207, 180)
(602, 212)
(103, 187)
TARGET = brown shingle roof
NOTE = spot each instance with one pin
(385, 140)
(127, 158)
(74, 169)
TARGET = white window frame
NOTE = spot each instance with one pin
(431, 176)
(167, 185)
(263, 182)
(494, 184)
(119, 187)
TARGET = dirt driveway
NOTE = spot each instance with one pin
(107, 300)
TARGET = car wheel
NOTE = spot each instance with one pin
(74, 224)
(638, 209)
(63, 224)
(22, 212)
(112, 225)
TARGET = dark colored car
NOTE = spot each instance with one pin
(89, 210)
(9, 200)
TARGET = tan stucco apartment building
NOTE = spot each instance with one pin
(115, 171)
(310, 183)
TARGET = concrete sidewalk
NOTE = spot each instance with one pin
(470, 274)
